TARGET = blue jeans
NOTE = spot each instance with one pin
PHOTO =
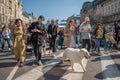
(97, 44)
(8, 42)
(106, 44)
(118, 40)
(1, 41)
(78, 39)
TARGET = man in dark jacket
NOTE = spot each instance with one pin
(37, 29)
(117, 28)
(52, 31)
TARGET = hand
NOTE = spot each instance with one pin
(33, 30)
(38, 30)
(84, 22)
(88, 29)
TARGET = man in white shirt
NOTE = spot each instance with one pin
(85, 29)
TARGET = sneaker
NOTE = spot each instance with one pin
(54, 56)
(105, 52)
(9, 49)
(21, 64)
(39, 62)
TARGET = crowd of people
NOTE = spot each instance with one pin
(73, 35)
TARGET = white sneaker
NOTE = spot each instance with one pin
(40, 63)
(106, 52)
(54, 55)
(9, 49)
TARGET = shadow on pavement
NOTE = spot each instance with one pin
(111, 74)
(7, 59)
(115, 56)
(7, 64)
(55, 73)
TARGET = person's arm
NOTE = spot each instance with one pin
(89, 29)
(43, 30)
(31, 28)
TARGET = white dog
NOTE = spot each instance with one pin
(76, 56)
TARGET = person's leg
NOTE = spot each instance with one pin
(34, 44)
(8, 42)
(116, 37)
(118, 41)
(22, 51)
(50, 44)
(88, 41)
(39, 52)
(3, 43)
(35, 50)
(15, 51)
(95, 46)
(83, 43)
(78, 40)
(98, 45)
(54, 44)
(106, 45)
(62, 40)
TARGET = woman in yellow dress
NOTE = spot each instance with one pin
(18, 39)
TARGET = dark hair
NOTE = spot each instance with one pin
(97, 27)
(17, 20)
(41, 17)
(70, 21)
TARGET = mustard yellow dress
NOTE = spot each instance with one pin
(18, 39)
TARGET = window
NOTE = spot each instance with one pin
(108, 9)
(119, 6)
(104, 10)
(0, 8)
(115, 7)
(3, 1)
(111, 8)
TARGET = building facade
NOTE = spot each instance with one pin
(75, 17)
(10, 10)
(4, 13)
(111, 11)
(28, 17)
(101, 11)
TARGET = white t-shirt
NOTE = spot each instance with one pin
(85, 34)
(6, 33)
